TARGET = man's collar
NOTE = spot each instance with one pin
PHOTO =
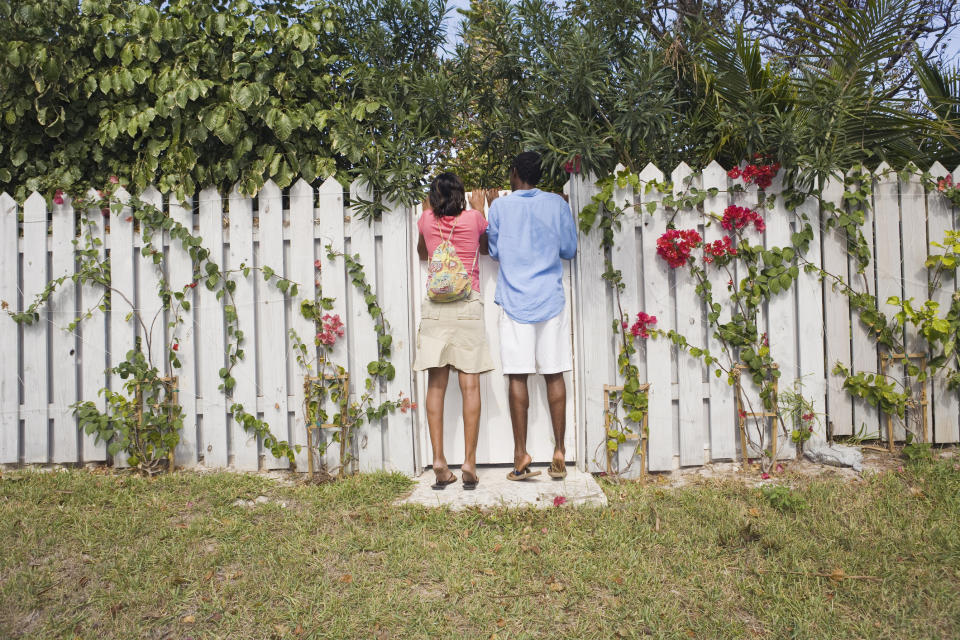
(526, 193)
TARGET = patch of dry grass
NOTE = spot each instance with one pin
(94, 555)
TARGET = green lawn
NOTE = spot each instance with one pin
(98, 555)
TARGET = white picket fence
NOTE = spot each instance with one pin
(45, 368)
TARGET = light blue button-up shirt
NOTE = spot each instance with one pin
(530, 232)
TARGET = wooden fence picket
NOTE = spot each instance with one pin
(181, 277)
(595, 361)
(329, 232)
(946, 403)
(889, 283)
(210, 342)
(9, 365)
(690, 374)
(123, 323)
(363, 345)
(272, 322)
(93, 331)
(301, 270)
(625, 255)
(723, 444)
(782, 328)
(239, 256)
(836, 315)
(657, 302)
(62, 312)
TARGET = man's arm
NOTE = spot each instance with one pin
(568, 233)
(493, 230)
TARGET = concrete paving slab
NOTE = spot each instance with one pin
(495, 490)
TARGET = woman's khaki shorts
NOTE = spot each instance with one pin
(452, 333)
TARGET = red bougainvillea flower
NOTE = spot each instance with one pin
(807, 416)
(559, 501)
(641, 328)
(675, 246)
(573, 166)
(765, 475)
(105, 211)
(735, 217)
(743, 414)
(58, 197)
(759, 173)
(317, 264)
(176, 346)
(718, 249)
(945, 183)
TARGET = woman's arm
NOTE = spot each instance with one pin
(422, 248)
(484, 244)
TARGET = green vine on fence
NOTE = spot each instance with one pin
(330, 381)
(146, 380)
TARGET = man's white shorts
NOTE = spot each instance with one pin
(543, 347)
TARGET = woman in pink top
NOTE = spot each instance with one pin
(451, 334)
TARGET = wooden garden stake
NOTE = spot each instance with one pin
(743, 414)
(308, 383)
(642, 436)
(885, 360)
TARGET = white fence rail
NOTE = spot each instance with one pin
(44, 368)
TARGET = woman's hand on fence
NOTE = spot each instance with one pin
(476, 199)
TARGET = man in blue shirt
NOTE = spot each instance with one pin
(530, 232)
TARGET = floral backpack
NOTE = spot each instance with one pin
(447, 280)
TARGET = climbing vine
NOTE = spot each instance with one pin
(769, 272)
(330, 382)
(143, 424)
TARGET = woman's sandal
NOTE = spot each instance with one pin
(522, 474)
(469, 482)
(558, 470)
(440, 485)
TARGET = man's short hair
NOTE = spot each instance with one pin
(527, 165)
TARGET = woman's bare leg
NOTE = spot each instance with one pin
(436, 390)
(470, 390)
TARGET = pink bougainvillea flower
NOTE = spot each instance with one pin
(331, 329)
(317, 264)
(559, 501)
(641, 328)
(807, 416)
(765, 475)
(114, 180)
(105, 211)
(743, 414)
(58, 197)
(779, 468)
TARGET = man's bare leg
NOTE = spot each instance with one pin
(470, 390)
(557, 400)
(519, 403)
(436, 391)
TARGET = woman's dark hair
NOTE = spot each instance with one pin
(447, 195)
(527, 165)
